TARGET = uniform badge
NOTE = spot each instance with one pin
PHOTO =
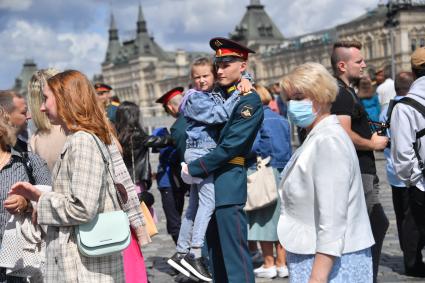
(218, 43)
(246, 111)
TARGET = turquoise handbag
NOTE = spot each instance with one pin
(108, 232)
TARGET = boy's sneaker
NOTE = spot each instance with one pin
(197, 267)
(282, 271)
(175, 260)
(263, 272)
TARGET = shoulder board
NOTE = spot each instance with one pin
(245, 93)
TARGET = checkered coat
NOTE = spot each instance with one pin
(79, 178)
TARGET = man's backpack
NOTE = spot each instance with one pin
(421, 109)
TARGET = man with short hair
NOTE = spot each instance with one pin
(348, 66)
(227, 231)
(385, 89)
(170, 185)
(400, 193)
(15, 105)
(408, 153)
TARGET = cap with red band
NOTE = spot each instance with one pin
(101, 87)
(169, 95)
(228, 48)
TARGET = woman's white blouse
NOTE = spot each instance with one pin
(323, 205)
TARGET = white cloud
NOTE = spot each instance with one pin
(304, 16)
(83, 51)
(53, 38)
(15, 5)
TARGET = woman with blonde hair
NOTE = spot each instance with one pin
(324, 226)
(48, 139)
(83, 185)
(273, 140)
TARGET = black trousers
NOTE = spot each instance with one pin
(414, 232)
(172, 203)
(400, 197)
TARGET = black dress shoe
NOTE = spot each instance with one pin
(197, 267)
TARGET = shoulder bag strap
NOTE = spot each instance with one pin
(25, 160)
(120, 189)
(421, 109)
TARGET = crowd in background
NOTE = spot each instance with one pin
(325, 223)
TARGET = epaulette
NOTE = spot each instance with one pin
(245, 93)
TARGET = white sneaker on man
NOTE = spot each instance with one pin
(282, 271)
(269, 272)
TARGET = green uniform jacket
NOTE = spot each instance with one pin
(236, 139)
(178, 133)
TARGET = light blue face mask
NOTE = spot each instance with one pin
(300, 112)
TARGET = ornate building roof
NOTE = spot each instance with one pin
(142, 45)
(257, 28)
(21, 82)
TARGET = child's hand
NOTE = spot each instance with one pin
(244, 85)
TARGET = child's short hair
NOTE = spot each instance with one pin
(202, 61)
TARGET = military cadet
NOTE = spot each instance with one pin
(227, 231)
(103, 92)
(170, 185)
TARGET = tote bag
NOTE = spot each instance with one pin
(262, 189)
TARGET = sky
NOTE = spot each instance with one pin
(74, 34)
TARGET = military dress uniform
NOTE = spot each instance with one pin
(172, 195)
(227, 231)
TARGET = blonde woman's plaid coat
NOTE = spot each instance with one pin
(79, 179)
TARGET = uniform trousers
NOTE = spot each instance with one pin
(228, 247)
(172, 203)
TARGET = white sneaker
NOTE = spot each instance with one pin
(269, 272)
(282, 271)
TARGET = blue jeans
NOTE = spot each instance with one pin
(201, 207)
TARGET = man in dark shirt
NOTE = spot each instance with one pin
(348, 65)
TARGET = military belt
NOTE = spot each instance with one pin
(238, 160)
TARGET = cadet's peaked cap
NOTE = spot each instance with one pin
(101, 87)
(226, 49)
(418, 58)
(169, 95)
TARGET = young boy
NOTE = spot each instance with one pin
(205, 111)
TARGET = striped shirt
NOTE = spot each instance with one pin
(15, 171)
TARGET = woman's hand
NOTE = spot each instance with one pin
(26, 190)
(244, 86)
(15, 204)
(322, 266)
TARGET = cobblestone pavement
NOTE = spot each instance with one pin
(390, 270)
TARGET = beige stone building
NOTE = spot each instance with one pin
(273, 62)
(140, 70)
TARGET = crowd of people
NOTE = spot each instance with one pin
(72, 188)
